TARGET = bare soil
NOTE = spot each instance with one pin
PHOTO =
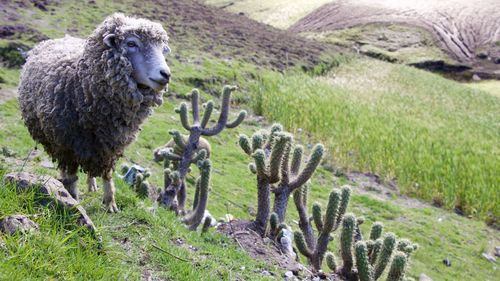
(469, 31)
(257, 247)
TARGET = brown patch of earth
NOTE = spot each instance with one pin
(257, 247)
(469, 31)
(192, 25)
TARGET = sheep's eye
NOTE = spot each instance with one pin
(131, 44)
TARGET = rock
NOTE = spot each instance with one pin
(447, 262)
(289, 274)
(17, 223)
(497, 251)
(482, 55)
(54, 192)
(476, 77)
(496, 60)
(424, 277)
(46, 163)
(489, 257)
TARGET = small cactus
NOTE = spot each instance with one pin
(362, 264)
(385, 254)
(346, 242)
(398, 267)
(186, 150)
(330, 261)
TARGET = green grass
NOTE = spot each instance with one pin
(437, 138)
(492, 87)
(129, 236)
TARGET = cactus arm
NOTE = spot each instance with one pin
(317, 216)
(377, 246)
(209, 107)
(260, 163)
(376, 231)
(344, 202)
(296, 159)
(197, 193)
(285, 166)
(244, 143)
(304, 224)
(275, 129)
(277, 153)
(178, 138)
(385, 254)
(346, 241)
(364, 270)
(263, 204)
(195, 95)
(183, 112)
(257, 141)
(330, 261)
(311, 166)
(201, 155)
(238, 120)
(301, 244)
(398, 267)
(194, 218)
(221, 123)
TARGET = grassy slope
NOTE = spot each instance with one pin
(438, 138)
(129, 236)
(281, 14)
(67, 253)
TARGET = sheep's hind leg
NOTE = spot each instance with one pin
(91, 184)
(70, 182)
(109, 193)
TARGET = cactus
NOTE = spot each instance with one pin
(362, 264)
(207, 223)
(194, 218)
(141, 186)
(186, 149)
(346, 242)
(330, 261)
(398, 267)
(385, 254)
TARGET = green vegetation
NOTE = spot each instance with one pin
(278, 13)
(437, 138)
(492, 87)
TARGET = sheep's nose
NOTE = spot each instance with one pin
(165, 75)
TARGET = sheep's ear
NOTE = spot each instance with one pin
(109, 40)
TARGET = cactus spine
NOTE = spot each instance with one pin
(186, 150)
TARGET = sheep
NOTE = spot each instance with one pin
(84, 100)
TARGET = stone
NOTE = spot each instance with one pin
(17, 223)
(54, 192)
(424, 277)
(289, 274)
(476, 77)
(489, 257)
(497, 251)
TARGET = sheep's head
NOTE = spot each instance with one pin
(135, 49)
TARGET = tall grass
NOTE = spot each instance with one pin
(439, 139)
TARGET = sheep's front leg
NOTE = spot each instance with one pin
(109, 193)
(70, 182)
(91, 184)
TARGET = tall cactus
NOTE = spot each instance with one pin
(276, 171)
(195, 217)
(174, 194)
(314, 248)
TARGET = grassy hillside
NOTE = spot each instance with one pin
(435, 137)
(130, 237)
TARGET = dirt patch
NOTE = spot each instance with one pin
(257, 247)
(469, 31)
(371, 185)
(231, 36)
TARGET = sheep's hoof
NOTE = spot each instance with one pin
(111, 207)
